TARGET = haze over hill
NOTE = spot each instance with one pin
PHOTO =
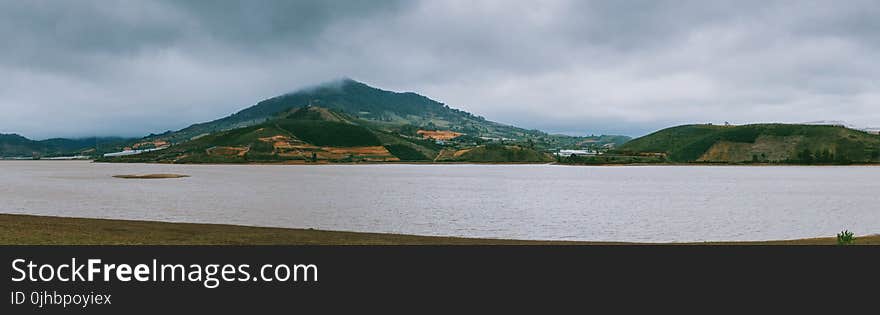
(384, 109)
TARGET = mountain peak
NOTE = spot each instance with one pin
(349, 80)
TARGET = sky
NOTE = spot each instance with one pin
(134, 67)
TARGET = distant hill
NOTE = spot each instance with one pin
(382, 110)
(773, 143)
(14, 145)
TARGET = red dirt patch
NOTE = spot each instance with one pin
(439, 134)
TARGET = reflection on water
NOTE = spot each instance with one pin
(644, 203)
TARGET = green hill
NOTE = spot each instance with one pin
(364, 102)
(389, 115)
(765, 143)
(314, 134)
(308, 134)
(14, 145)
(382, 110)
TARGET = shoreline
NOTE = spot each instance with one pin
(464, 163)
(19, 229)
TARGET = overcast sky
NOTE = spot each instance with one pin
(83, 68)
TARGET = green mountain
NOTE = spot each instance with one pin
(383, 110)
(773, 143)
(14, 145)
(315, 134)
(301, 135)
(398, 120)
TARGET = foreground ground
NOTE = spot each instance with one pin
(40, 230)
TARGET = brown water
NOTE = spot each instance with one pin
(638, 203)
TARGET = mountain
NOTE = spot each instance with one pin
(314, 134)
(384, 110)
(390, 115)
(774, 143)
(14, 145)
(310, 134)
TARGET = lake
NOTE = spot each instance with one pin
(548, 202)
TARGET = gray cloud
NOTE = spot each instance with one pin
(134, 67)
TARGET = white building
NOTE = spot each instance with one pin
(576, 153)
(133, 152)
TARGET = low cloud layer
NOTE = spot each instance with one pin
(580, 67)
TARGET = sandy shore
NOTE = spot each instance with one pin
(151, 176)
(42, 230)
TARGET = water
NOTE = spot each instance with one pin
(633, 203)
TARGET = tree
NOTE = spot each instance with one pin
(845, 238)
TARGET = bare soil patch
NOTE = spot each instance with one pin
(151, 176)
